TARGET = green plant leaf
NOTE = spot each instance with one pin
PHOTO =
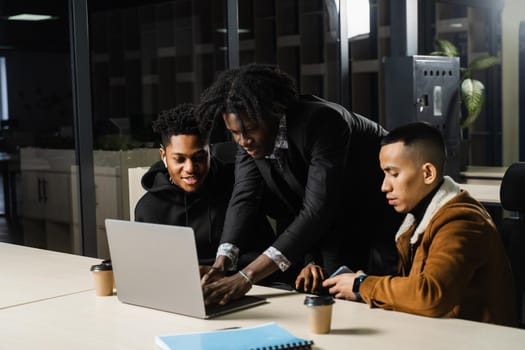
(473, 97)
(484, 62)
(446, 48)
(465, 73)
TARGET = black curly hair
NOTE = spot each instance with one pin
(177, 121)
(263, 91)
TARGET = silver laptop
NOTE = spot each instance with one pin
(156, 266)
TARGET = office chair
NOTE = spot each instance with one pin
(512, 196)
(136, 191)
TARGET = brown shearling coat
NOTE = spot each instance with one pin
(456, 266)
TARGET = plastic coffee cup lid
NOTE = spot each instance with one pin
(318, 300)
(104, 266)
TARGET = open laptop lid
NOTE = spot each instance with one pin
(156, 266)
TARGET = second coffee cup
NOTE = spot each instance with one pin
(319, 313)
(103, 278)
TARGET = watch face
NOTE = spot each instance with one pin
(357, 283)
(355, 286)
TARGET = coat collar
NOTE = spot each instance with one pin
(446, 192)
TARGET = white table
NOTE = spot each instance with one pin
(57, 309)
(85, 321)
(478, 174)
(484, 193)
(30, 274)
(483, 182)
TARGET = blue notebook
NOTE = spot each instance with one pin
(266, 336)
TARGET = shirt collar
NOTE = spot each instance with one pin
(281, 141)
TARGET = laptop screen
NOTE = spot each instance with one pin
(156, 266)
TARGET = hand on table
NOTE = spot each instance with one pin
(310, 278)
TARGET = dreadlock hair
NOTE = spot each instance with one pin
(262, 91)
(177, 121)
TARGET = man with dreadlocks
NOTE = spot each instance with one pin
(188, 187)
(314, 166)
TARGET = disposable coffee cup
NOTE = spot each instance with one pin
(319, 313)
(108, 262)
(103, 278)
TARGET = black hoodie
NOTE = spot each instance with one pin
(204, 210)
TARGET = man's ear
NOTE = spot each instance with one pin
(429, 173)
(162, 152)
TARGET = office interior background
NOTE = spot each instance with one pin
(80, 86)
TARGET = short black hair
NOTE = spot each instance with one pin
(177, 121)
(427, 138)
(263, 91)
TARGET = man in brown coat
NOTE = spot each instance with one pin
(452, 262)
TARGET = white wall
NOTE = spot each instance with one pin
(513, 13)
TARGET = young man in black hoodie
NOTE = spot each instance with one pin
(191, 187)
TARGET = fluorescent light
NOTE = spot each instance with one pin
(30, 17)
(456, 25)
(4, 109)
(240, 30)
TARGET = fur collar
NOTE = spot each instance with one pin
(446, 192)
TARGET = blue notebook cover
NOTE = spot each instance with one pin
(266, 336)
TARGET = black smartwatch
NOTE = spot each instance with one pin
(357, 284)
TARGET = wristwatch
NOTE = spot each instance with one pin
(357, 284)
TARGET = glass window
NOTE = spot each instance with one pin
(302, 37)
(37, 146)
(146, 57)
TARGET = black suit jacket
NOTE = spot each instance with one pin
(331, 185)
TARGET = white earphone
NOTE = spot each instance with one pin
(165, 163)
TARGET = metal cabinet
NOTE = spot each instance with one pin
(46, 198)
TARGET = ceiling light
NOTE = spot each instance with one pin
(240, 30)
(456, 25)
(30, 17)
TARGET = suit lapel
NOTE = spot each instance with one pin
(266, 171)
(291, 180)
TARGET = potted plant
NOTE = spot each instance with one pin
(472, 91)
